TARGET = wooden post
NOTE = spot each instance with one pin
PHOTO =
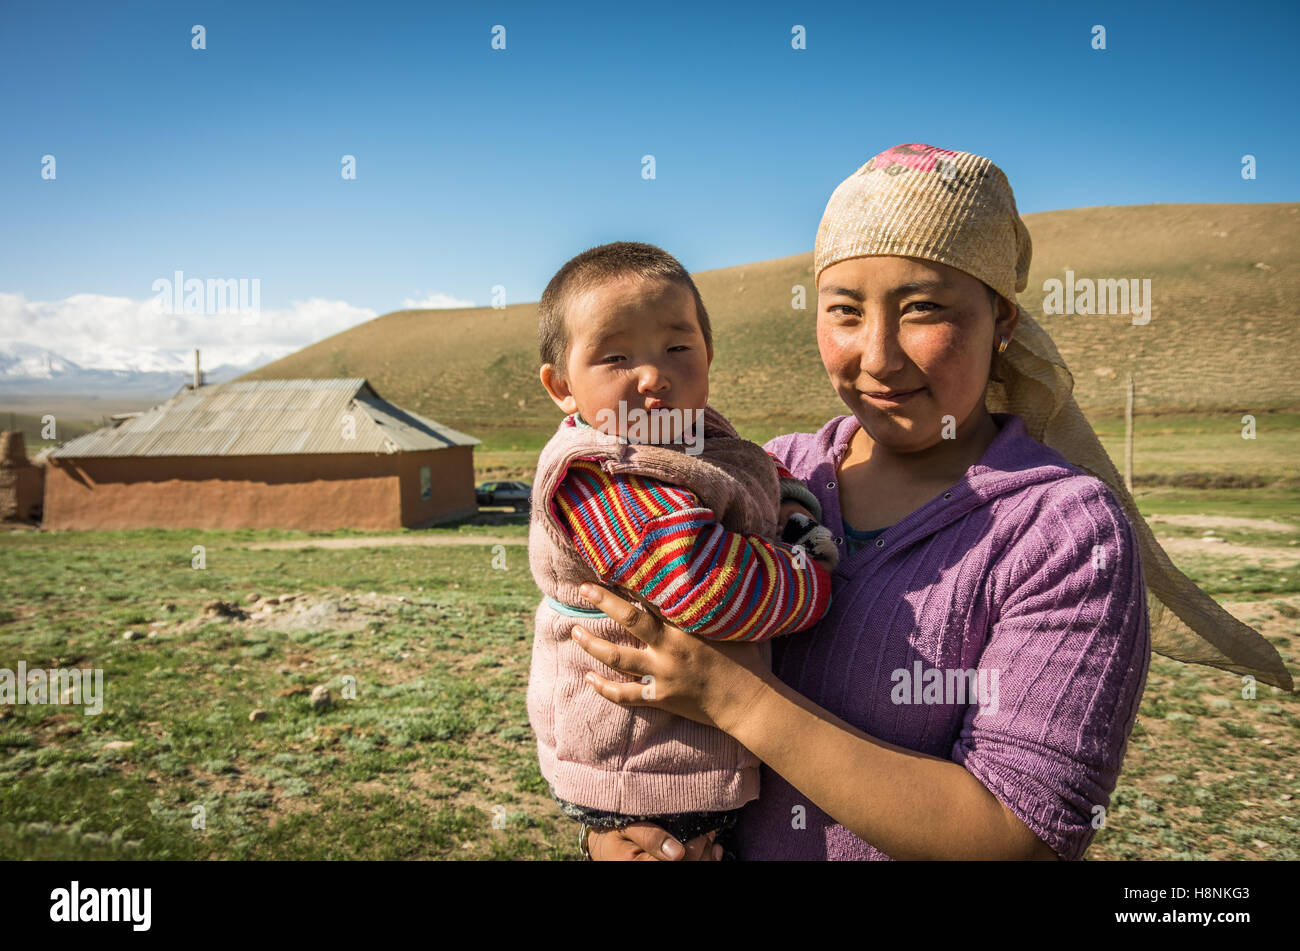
(1128, 437)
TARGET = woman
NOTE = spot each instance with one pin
(971, 691)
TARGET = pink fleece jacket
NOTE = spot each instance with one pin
(593, 752)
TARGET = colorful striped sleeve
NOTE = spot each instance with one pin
(658, 539)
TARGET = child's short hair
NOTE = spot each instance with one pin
(594, 267)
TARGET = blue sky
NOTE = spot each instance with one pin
(479, 167)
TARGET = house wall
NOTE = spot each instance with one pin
(452, 482)
(313, 492)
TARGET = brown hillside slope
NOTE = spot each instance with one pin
(1223, 333)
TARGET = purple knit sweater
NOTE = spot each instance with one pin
(1027, 574)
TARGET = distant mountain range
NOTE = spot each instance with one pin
(30, 370)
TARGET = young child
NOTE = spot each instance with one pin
(685, 527)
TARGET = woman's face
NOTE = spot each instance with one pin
(908, 345)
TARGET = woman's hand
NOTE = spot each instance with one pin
(646, 842)
(707, 681)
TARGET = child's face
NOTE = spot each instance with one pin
(634, 341)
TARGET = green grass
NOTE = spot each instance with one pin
(1178, 445)
(1277, 502)
(1208, 774)
(416, 765)
(434, 758)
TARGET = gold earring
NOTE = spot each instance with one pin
(1002, 344)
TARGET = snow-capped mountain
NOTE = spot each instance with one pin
(27, 368)
(27, 361)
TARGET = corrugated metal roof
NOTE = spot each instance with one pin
(268, 417)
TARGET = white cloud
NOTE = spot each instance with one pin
(435, 302)
(101, 332)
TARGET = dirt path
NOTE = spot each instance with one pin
(380, 541)
(1225, 550)
(1226, 521)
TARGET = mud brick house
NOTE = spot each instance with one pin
(301, 454)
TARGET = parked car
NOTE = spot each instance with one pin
(505, 493)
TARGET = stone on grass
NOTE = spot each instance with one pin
(320, 698)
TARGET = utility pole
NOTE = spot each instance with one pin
(1128, 437)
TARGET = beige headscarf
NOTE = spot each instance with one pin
(958, 209)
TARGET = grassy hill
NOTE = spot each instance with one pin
(1223, 333)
